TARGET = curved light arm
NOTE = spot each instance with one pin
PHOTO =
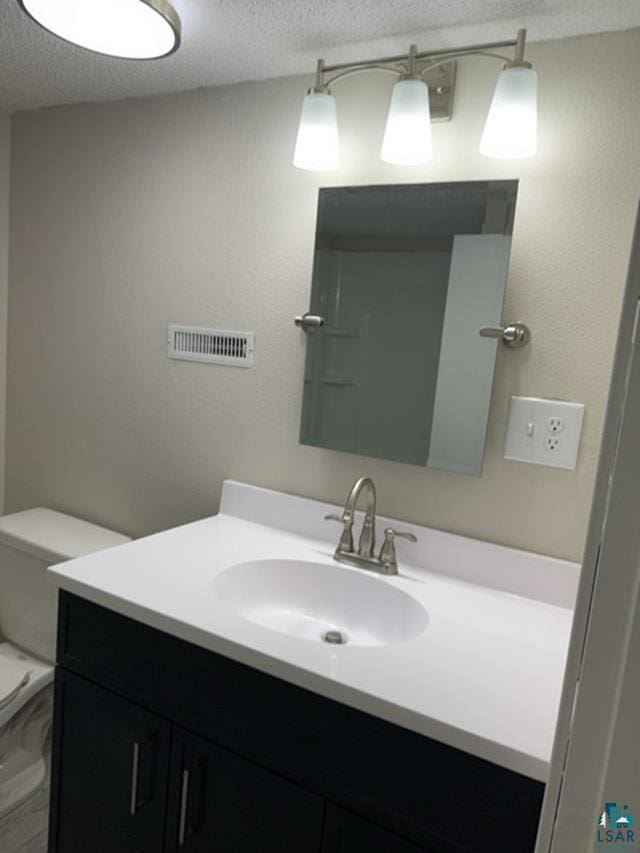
(365, 67)
(407, 64)
(453, 56)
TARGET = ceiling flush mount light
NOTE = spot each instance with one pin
(424, 93)
(128, 29)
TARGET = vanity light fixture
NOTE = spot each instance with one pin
(128, 29)
(424, 92)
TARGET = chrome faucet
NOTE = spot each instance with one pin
(386, 563)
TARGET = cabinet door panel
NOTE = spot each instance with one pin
(110, 773)
(348, 833)
(228, 804)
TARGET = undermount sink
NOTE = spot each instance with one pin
(319, 601)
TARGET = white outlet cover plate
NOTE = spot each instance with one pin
(529, 427)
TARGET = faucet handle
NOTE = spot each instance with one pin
(346, 539)
(333, 516)
(391, 534)
(388, 551)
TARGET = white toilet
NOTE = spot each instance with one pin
(29, 542)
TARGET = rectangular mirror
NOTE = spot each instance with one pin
(404, 277)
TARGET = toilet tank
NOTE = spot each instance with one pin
(31, 541)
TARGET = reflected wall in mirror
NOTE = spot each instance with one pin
(404, 278)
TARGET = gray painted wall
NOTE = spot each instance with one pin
(186, 208)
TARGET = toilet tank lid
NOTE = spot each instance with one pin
(53, 536)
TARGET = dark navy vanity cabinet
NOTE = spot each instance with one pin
(160, 745)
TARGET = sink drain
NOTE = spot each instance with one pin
(335, 637)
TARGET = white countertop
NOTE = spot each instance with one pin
(484, 677)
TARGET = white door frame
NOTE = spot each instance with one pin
(601, 680)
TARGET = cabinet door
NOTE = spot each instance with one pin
(348, 833)
(110, 772)
(225, 803)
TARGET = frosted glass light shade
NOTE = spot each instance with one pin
(317, 145)
(407, 135)
(511, 129)
(130, 29)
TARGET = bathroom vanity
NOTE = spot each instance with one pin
(197, 709)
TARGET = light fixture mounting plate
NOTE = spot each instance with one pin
(441, 81)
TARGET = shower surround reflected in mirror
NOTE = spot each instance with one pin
(404, 277)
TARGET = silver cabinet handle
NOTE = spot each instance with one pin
(308, 321)
(184, 801)
(135, 772)
(514, 335)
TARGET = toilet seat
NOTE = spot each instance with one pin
(21, 677)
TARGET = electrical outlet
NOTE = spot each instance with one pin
(544, 432)
(555, 424)
(551, 443)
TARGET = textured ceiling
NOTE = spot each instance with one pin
(225, 41)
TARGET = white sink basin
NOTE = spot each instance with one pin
(306, 600)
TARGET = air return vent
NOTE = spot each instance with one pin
(218, 346)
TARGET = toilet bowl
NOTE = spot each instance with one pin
(31, 541)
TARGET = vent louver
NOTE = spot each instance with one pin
(216, 346)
